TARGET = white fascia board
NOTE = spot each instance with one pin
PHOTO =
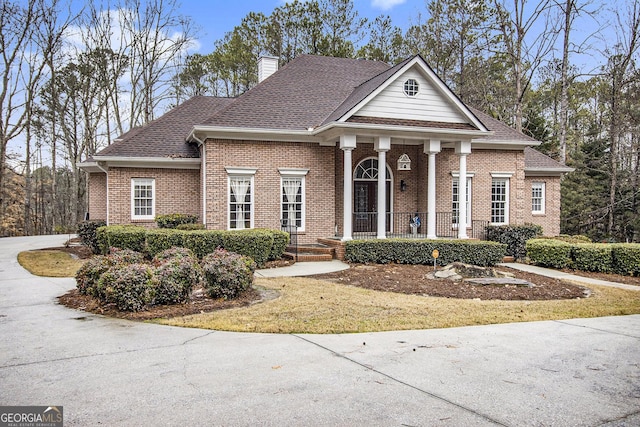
(482, 144)
(546, 171)
(335, 129)
(433, 78)
(92, 167)
(201, 133)
(148, 162)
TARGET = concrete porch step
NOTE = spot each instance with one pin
(316, 252)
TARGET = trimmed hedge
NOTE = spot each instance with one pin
(620, 258)
(514, 236)
(161, 239)
(549, 253)
(131, 287)
(87, 232)
(175, 220)
(121, 236)
(596, 257)
(411, 251)
(626, 259)
(260, 244)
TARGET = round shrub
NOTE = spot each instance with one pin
(126, 256)
(173, 253)
(176, 274)
(227, 273)
(130, 287)
(88, 275)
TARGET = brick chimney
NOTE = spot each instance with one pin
(267, 65)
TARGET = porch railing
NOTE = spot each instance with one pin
(405, 225)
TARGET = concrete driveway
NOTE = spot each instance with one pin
(112, 372)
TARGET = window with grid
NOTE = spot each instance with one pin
(500, 201)
(537, 197)
(240, 202)
(292, 201)
(455, 207)
(143, 198)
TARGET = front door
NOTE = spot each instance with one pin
(365, 206)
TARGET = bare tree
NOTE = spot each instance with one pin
(526, 45)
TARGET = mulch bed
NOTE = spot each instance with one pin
(401, 278)
(412, 279)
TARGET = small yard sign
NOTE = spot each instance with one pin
(435, 254)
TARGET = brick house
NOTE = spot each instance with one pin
(303, 149)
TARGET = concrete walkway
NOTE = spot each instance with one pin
(567, 276)
(303, 269)
(110, 372)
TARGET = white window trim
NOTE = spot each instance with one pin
(139, 181)
(543, 201)
(506, 177)
(456, 177)
(285, 173)
(238, 172)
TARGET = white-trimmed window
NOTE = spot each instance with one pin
(455, 206)
(292, 197)
(499, 200)
(241, 198)
(538, 191)
(143, 192)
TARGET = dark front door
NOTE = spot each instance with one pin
(365, 206)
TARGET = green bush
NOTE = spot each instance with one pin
(549, 253)
(121, 236)
(227, 274)
(514, 236)
(125, 256)
(177, 272)
(256, 244)
(89, 273)
(595, 257)
(280, 243)
(411, 251)
(87, 233)
(626, 259)
(174, 220)
(190, 227)
(202, 242)
(161, 239)
(129, 286)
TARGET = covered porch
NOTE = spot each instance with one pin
(365, 191)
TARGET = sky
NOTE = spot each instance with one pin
(217, 17)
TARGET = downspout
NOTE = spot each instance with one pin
(106, 173)
(203, 168)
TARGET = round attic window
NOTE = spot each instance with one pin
(411, 87)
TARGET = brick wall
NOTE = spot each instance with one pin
(550, 220)
(98, 196)
(267, 157)
(177, 191)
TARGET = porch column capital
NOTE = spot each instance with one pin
(347, 142)
(432, 146)
(463, 147)
(382, 143)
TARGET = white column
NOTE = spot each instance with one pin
(463, 148)
(347, 144)
(431, 147)
(382, 145)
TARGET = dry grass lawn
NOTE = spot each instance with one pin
(49, 263)
(309, 305)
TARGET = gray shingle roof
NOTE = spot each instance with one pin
(535, 160)
(165, 136)
(501, 132)
(322, 83)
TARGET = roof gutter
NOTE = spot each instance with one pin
(547, 171)
(153, 162)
